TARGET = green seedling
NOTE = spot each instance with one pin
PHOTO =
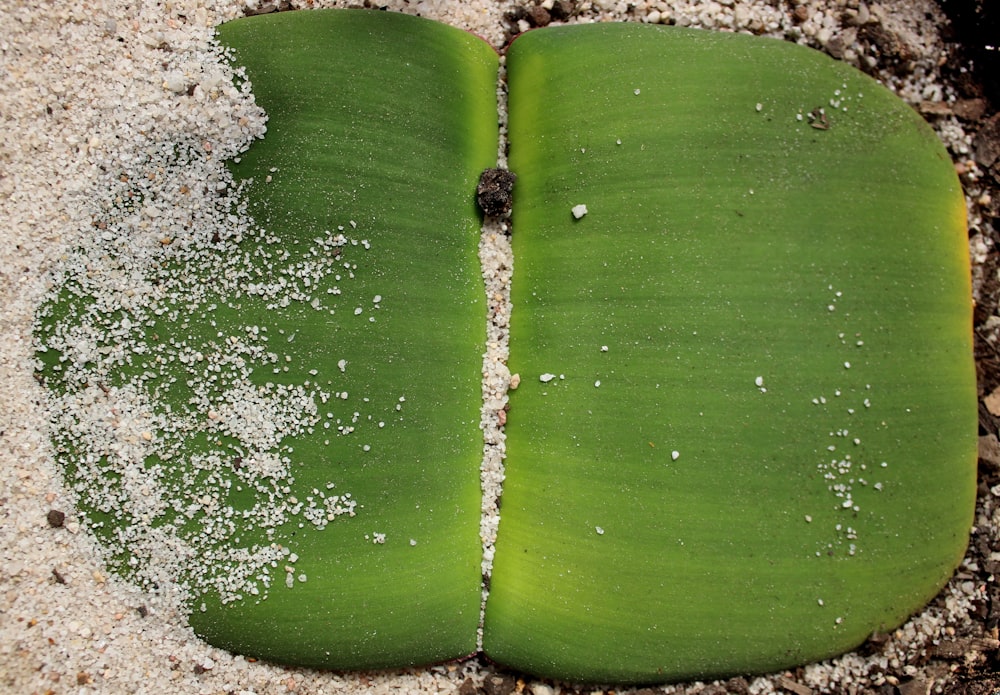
(744, 437)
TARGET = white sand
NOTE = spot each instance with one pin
(89, 85)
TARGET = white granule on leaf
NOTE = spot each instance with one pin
(579, 211)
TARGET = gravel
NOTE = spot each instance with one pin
(94, 92)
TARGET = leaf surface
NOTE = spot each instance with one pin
(313, 387)
(745, 432)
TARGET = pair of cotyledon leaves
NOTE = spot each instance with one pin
(757, 446)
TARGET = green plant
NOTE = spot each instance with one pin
(745, 432)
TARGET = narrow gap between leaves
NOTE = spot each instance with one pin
(495, 257)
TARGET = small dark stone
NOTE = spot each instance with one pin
(142, 611)
(874, 644)
(497, 684)
(494, 191)
(539, 16)
(737, 686)
(986, 144)
(59, 579)
(56, 518)
(970, 109)
(562, 9)
(468, 687)
(835, 47)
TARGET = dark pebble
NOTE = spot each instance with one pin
(494, 191)
(539, 16)
(496, 684)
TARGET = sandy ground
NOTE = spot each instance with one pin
(84, 84)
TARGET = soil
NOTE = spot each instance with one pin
(973, 69)
(127, 630)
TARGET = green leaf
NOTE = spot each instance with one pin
(378, 117)
(311, 386)
(758, 444)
